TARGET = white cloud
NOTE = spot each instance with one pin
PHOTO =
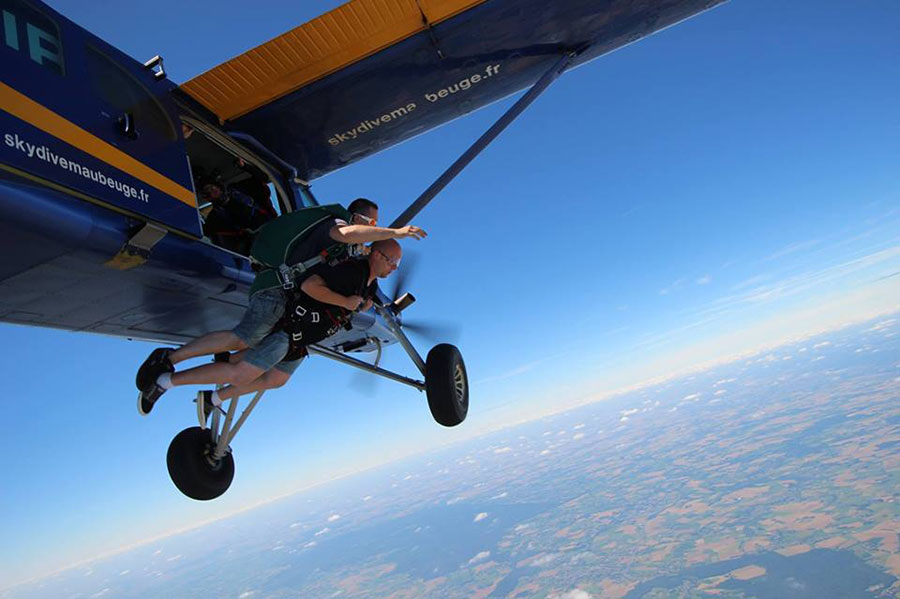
(522, 369)
(705, 279)
(503, 450)
(822, 344)
(673, 287)
(334, 517)
(544, 560)
(500, 496)
(883, 325)
(310, 544)
(246, 594)
(793, 248)
(174, 558)
(455, 500)
(691, 397)
(545, 452)
(749, 282)
(578, 436)
(367, 498)
(720, 392)
(480, 556)
(480, 516)
(573, 594)
(295, 525)
(322, 532)
(101, 593)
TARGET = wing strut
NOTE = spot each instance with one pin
(486, 138)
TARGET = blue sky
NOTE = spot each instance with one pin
(726, 185)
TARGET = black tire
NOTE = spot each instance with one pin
(446, 385)
(191, 467)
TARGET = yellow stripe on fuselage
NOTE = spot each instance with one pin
(328, 43)
(33, 113)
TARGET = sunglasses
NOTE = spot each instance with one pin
(388, 259)
(367, 220)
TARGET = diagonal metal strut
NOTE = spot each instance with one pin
(482, 142)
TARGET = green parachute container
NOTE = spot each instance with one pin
(275, 241)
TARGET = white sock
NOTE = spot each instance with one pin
(165, 380)
(214, 398)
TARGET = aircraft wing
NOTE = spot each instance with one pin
(372, 73)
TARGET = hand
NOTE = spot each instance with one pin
(410, 231)
(353, 302)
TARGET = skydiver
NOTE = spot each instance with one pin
(267, 303)
(325, 302)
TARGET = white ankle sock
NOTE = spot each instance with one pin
(165, 380)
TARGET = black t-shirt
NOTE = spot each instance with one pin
(317, 240)
(309, 321)
(347, 278)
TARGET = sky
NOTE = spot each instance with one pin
(725, 186)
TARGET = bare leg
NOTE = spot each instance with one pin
(270, 380)
(218, 373)
(211, 343)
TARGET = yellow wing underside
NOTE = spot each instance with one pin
(314, 50)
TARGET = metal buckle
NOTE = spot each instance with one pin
(287, 279)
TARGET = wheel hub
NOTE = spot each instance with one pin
(459, 383)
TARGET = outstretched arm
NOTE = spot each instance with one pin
(367, 234)
(316, 288)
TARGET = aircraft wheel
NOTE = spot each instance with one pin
(446, 384)
(192, 468)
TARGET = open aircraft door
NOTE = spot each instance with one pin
(86, 118)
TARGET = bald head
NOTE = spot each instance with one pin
(384, 257)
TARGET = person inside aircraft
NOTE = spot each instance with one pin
(228, 219)
(232, 216)
(324, 303)
(268, 301)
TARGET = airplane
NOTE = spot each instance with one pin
(105, 163)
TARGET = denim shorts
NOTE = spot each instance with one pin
(269, 353)
(262, 314)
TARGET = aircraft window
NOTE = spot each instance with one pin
(32, 34)
(119, 87)
(306, 197)
(273, 197)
